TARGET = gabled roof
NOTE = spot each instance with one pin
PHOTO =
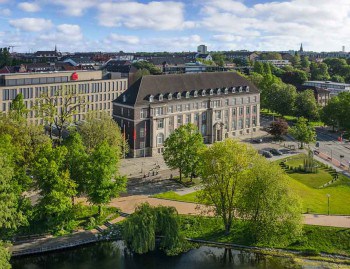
(139, 92)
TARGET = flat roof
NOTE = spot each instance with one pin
(48, 72)
(327, 83)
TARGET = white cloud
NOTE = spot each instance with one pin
(166, 15)
(127, 39)
(226, 38)
(31, 24)
(5, 12)
(75, 7)
(277, 25)
(64, 32)
(29, 7)
(180, 43)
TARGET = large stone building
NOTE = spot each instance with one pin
(221, 104)
(98, 91)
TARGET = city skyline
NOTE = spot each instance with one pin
(92, 25)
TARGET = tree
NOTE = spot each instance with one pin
(344, 110)
(271, 56)
(54, 184)
(259, 68)
(278, 128)
(75, 160)
(305, 63)
(223, 170)
(149, 66)
(99, 127)
(319, 71)
(141, 228)
(140, 73)
(103, 183)
(296, 61)
(219, 59)
(303, 132)
(335, 65)
(5, 57)
(282, 98)
(337, 78)
(59, 109)
(268, 205)
(18, 110)
(306, 105)
(181, 150)
(330, 113)
(295, 77)
(4, 257)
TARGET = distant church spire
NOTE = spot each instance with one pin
(301, 48)
(55, 48)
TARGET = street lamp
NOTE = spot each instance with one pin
(328, 196)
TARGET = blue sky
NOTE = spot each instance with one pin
(177, 25)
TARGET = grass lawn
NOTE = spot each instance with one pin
(170, 195)
(320, 239)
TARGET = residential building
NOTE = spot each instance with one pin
(333, 87)
(322, 95)
(98, 91)
(277, 63)
(220, 104)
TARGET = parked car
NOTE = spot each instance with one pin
(266, 154)
(258, 140)
(276, 152)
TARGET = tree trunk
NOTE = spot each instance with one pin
(99, 210)
(301, 145)
(180, 174)
(227, 228)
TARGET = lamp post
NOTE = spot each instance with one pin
(328, 196)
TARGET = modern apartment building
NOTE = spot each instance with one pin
(221, 104)
(333, 87)
(98, 91)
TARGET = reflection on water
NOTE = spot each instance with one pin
(114, 255)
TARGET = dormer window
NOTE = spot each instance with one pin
(178, 96)
(211, 92)
(218, 92)
(203, 92)
(160, 98)
(226, 91)
(151, 97)
(240, 89)
(187, 94)
(195, 93)
(170, 96)
(247, 88)
(124, 98)
(233, 89)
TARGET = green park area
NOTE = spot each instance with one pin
(307, 185)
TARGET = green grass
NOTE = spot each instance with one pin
(290, 118)
(317, 238)
(170, 195)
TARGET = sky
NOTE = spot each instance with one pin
(177, 25)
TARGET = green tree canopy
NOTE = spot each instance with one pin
(282, 98)
(319, 71)
(268, 205)
(295, 77)
(223, 170)
(181, 150)
(306, 105)
(18, 110)
(330, 113)
(303, 132)
(296, 61)
(271, 56)
(305, 63)
(103, 182)
(4, 257)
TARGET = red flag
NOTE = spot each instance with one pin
(134, 134)
(145, 129)
(124, 132)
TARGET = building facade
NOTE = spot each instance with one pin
(333, 87)
(220, 104)
(97, 91)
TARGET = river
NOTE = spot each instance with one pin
(113, 255)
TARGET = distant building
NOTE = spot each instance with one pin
(202, 49)
(98, 90)
(80, 61)
(46, 56)
(221, 105)
(322, 95)
(243, 55)
(333, 87)
(277, 63)
(205, 57)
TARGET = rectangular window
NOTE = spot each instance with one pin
(178, 108)
(226, 114)
(188, 107)
(160, 123)
(170, 109)
(218, 115)
(241, 111)
(234, 101)
(142, 132)
(196, 117)
(240, 124)
(158, 111)
(247, 123)
(204, 129)
(179, 120)
(227, 102)
(188, 118)
(254, 109)
(204, 104)
(234, 111)
(255, 98)
(204, 116)
(247, 110)
(143, 113)
(254, 121)
(233, 125)
(216, 103)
